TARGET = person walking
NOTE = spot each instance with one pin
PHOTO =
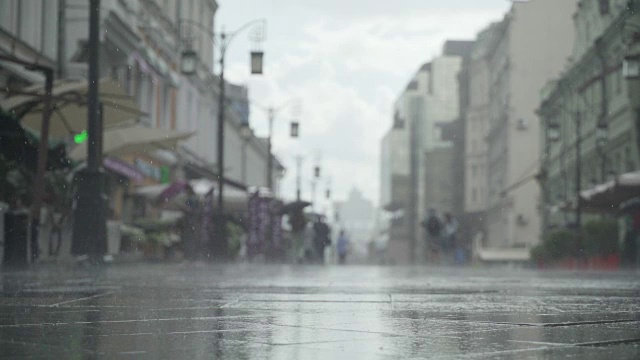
(321, 237)
(433, 230)
(342, 247)
(450, 231)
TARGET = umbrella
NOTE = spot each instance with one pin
(126, 140)
(294, 206)
(69, 116)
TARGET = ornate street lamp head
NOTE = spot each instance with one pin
(602, 134)
(246, 132)
(189, 62)
(553, 132)
(631, 67)
(256, 62)
(295, 129)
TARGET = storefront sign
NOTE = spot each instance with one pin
(149, 170)
(122, 168)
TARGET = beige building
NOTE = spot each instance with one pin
(416, 160)
(531, 46)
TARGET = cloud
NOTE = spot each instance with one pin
(348, 74)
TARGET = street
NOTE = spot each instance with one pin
(242, 311)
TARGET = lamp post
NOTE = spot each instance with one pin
(43, 147)
(189, 64)
(295, 130)
(245, 134)
(89, 229)
(299, 160)
(631, 73)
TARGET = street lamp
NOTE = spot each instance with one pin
(553, 132)
(602, 136)
(189, 62)
(295, 129)
(631, 67)
(256, 62)
(90, 213)
(245, 134)
(272, 112)
(43, 147)
(222, 41)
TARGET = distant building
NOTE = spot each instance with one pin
(529, 47)
(395, 188)
(357, 216)
(417, 157)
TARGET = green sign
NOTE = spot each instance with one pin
(80, 138)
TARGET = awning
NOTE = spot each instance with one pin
(607, 197)
(127, 140)
(235, 200)
(69, 116)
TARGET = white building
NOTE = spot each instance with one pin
(531, 46)
(476, 127)
(356, 216)
(413, 149)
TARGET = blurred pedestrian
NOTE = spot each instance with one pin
(449, 237)
(433, 230)
(322, 237)
(308, 243)
(342, 246)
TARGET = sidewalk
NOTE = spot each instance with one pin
(198, 310)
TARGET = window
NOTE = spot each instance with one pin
(49, 29)
(166, 107)
(8, 14)
(618, 76)
(474, 170)
(474, 195)
(630, 164)
(604, 7)
(29, 25)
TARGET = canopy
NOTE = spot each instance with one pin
(133, 139)
(608, 197)
(172, 196)
(69, 116)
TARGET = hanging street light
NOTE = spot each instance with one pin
(295, 129)
(189, 62)
(631, 67)
(256, 62)
(553, 132)
(602, 134)
(188, 67)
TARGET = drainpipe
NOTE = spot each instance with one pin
(62, 41)
(604, 104)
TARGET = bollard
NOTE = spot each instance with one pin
(16, 230)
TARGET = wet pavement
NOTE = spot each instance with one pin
(296, 312)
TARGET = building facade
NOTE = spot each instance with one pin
(590, 103)
(395, 188)
(523, 56)
(28, 31)
(417, 158)
(476, 121)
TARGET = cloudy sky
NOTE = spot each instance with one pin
(346, 61)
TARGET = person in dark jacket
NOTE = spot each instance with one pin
(321, 238)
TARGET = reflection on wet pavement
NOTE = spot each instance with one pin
(286, 312)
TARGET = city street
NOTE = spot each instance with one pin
(310, 312)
